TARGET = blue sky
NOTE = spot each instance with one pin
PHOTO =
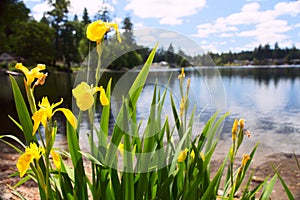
(217, 26)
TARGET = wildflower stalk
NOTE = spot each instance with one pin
(40, 178)
(99, 51)
(31, 99)
(33, 109)
(48, 132)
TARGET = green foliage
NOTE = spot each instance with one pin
(34, 42)
(134, 162)
(23, 113)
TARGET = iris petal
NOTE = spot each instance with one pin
(103, 98)
(69, 115)
(56, 159)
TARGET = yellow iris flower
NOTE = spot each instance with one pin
(193, 154)
(234, 129)
(201, 155)
(96, 30)
(103, 98)
(242, 123)
(56, 159)
(46, 112)
(84, 95)
(121, 148)
(33, 74)
(182, 106)
(246, 157)
(182, 155)
(182, 75)
(31, 152)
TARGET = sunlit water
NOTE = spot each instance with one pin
(267, 97)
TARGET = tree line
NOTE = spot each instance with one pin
(59, 42)
(261, 55)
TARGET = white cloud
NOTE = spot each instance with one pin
(268, 32)
(169, 12)
(209, 48)
(138, 25)
(92, 7)
(289, 8)
(117, 20)
(265, 26)
(76, 7)
(205, 30)
(249, 14)
(39, 9)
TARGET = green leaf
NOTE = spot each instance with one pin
(287, 190)
(134, 93)
(212, 189)
(104, 122)
(20, 182)
(15, 192)
(239, 182)
(15, 122)
(65, 179)
(22, 111)
(175, 114)
(15, 139)
(140, 80)
(116, 186)
(177, 151)
(80, 181)
(213, 129)
(151, 129)
(128, 166)
(297, 161)
(91, 158)
(268, 188)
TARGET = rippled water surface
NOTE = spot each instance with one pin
(267, 97)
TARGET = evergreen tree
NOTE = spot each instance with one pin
(170, 56)
(128, 33)
(58, 18)
(85, 17)
(12, 13)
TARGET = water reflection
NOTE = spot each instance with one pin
(58, 85)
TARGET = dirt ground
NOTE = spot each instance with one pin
(286, 164)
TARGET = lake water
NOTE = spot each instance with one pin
(267, 97)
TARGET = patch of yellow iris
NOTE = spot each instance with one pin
(46, 112)
(201, 155)
(234, 129)
(235, 126)
(246, 157)
(84, 95)
(31, 152)
(182, 155)
(33, 74)
(56, 159)
(96, 30)
(181, 76)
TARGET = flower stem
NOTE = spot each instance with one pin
(31, 99)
